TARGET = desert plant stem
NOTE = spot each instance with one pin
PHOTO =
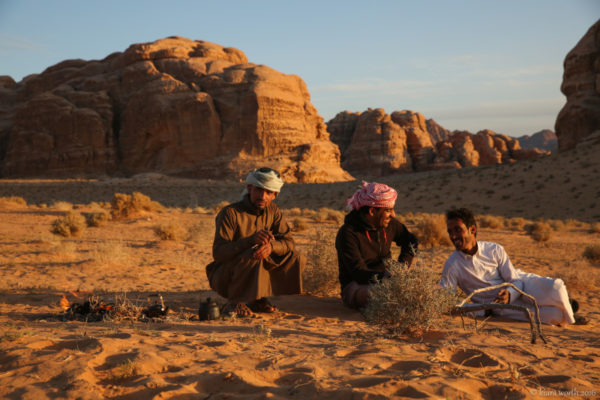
(461, 308)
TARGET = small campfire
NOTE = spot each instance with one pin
(95, 309)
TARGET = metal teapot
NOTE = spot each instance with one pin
(208, 310)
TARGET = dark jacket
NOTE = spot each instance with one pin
(361, 248)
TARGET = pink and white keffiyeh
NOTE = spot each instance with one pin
(372, 195)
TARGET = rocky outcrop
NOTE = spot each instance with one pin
(542, 140)
(418, 140)
(437, 132)
(580, 116)
(175, 106)
(375, 143)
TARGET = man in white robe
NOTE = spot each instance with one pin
(477, 264)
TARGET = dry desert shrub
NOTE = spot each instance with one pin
(432, 231)
(69, 225)
(320, 275)
(293, 212)
(200, 232)
(299, 224)
(308, 213)
(329, 215)
(577, 275)
(515, 224)
(574, 224)
(409, 301)
(99, 205)
(407, 218)
(97, 218)
(12, 201)
(125, 206)
(170, 232)
(491, 221)
(62, 206)
(592, 253)
(111, 251)
(539, 231)
(125, 370)
(557, 225)
(220, 206)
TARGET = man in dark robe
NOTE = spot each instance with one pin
(253, 249)
(364, 242)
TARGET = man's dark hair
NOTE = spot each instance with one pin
(364, 210)
(463, 214)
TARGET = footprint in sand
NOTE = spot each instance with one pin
(411, 393)
(77, 344)
(216, 343)
(407, 366)
(367, 382)
(473, 358)
(549, 379)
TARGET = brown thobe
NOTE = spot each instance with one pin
(235, 274)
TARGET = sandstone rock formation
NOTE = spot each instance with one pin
(173, 106)
(580, 116)
(437, 132)
(543, 140)
(375, 143)
(375, 146)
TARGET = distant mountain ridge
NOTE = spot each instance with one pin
(376, 143)
(543, 140)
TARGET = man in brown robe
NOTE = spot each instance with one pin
(253, 249)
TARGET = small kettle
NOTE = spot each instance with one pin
(208, 310)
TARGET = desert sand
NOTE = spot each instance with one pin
(314, 347)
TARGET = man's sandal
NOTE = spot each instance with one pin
(240, 310)
(581, 320)
(262, 305)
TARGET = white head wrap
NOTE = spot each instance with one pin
(264, 178)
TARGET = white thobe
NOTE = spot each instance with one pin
(491, 266)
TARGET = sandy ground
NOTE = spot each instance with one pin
(313, 348)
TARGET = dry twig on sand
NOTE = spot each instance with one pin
(462, 308)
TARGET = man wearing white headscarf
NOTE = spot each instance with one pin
(253, 249)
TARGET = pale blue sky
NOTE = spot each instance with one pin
(467, 64)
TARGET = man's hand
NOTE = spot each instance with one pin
(262, 237)
(263, 251)
(503, 297)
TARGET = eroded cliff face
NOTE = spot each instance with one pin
(580, 117)
(375, 143)
(173, 106)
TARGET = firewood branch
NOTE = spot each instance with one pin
(462, 308)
